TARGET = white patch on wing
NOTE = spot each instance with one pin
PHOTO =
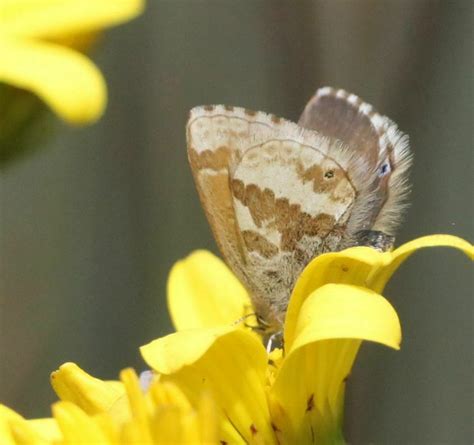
(273, 166)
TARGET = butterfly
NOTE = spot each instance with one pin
(277, 194)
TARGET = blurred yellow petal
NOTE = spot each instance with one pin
(203, 292)
(332, 322)
(176, 421)
(207, 418)
(380, 276)
(230, 364)
(56, 18)
(23, 433)
(109, 426)
(168, 394)
(93, 395)
(7, 415)
(162, 415)
(65, 79)
(46, 428)
(138, 405)
(14, 429)
(76, 426)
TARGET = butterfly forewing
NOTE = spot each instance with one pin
(217, 137)
(273, 194)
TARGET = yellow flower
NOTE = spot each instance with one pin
(291, 396)
(216, 381)
(38, 42)
(94, 411)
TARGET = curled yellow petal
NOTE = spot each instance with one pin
(346, 311)
(65, 79)
(171, 353)
(360, 266)
(56, 18)
(203, 292)
(94, 396)
(310, 384)
(393, 260)
(351, 266)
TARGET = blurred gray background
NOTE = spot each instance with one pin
(92, 222)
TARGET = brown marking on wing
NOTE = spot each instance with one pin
(261, 204)
(250, 112)
(213, 159)
(275, 119)
(209, 107)
(216, 200)
(332, 181)
(258, 243)
(279, 213)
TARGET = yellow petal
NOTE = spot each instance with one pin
(203, 292)
(55, 18)
(76, 426)
(168, 426)
(351, 266)
(393, 260)
(229, 364)
(46, 428)
(361, 266)
(94, 396)
(168, 394)
(16, 430)
(310, 384)
(346, 311)
(110, 427)
(65, 79)
(176, 421)
(138, 406)
(171, 353)
(24, 434)
(207, 418)
(7, 415)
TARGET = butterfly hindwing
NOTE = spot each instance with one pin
(380, 153)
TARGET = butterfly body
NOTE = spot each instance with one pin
(277, 193)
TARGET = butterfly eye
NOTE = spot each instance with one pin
(384, 169)
(329, 174)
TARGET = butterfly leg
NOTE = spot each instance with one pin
(374, 238)
(274, 341)
(270, 338)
